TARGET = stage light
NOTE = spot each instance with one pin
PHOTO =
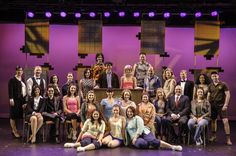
(198, 14)
(48, 14)
(30, 14)
(122, 14)
(107, 14)
(77, 15)
(136, 14)
(214, 13)
(166, 15)
(63, 14)
(151, 14)
(92, 14)
(183, 14)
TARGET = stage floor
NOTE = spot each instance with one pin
(14, 147)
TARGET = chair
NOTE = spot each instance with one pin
(204, 134)
(175, 126)
(46, 126)
(67, 127)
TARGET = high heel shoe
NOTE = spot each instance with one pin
(33, 140)
(15, 135)
(30, 138)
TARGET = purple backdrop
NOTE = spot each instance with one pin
(120, 46)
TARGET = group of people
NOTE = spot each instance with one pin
(114, 122)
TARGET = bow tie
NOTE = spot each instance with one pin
(37, 78)
(182, 81)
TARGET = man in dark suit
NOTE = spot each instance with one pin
(53, 112)
(187, 85)
(178, 109)
(108, 79)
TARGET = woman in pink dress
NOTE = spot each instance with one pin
(128, 81)
(71, 103)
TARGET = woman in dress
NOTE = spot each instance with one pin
(91, 135)
(170, 82)
(202, 81)
(17, 98)
(87, 83)
(54, 80)
(125, 101)
(35, 107)
(128, 81)
(200, 115)
(117, 129)
(147, 112)
(108, 103)
(139, 136)
(89, 105)
(71, 104)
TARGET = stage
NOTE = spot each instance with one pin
(15, 147)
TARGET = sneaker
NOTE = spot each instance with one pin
(69, 145)
(177, 148)
(80, 149)
(198, 143)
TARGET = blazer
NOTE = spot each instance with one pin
(14, 89)
(205, 109)
(30, 106)
(102, 80)
(188, 89)
(183, 108)
(54, 105)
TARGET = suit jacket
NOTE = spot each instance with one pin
(14, 89)
(53, 106)
(188, 89)
(30, 106)
(183, 108)
(102, 80)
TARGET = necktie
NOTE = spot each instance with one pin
(177, 101)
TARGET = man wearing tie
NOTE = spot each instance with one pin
(187, 85)
(178, 109)
(36, 80)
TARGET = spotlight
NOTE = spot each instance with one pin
(122, 14)
(48, 14)
(166, 15)
(107, 14)
(136, 14)
(77, 15)
(151, 14)
(30, 14)
(198, 14)
(214, 13)
(63, 14)
(183, 14)
(92, 14)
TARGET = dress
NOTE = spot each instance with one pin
(86, 85)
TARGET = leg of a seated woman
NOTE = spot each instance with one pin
(141, 143)
(106, 140)
(199, 129)
(166, 145)
(114, 143)
(33, 122)
(39, 122)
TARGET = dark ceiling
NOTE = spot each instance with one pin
(14, 11)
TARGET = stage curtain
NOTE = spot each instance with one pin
(36, 36)
(207, 36)
(152, 37)
(90, 37)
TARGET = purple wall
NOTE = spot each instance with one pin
(119, 46)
